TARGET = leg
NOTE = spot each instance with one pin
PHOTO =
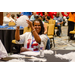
(70, 28)
(59, 28)
(48, 44)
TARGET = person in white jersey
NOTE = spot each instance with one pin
(32, 40)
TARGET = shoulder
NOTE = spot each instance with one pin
(5, 17)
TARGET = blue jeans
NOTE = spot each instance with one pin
(59, 28)
(48, 44)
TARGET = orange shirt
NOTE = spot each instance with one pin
(71, 17)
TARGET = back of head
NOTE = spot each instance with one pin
(13, 16)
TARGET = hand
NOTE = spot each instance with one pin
(29, 23)
(18, 27)
(58, 23)
(11, 20)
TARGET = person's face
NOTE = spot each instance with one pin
(57, 15)
(34, 13)
(37, 26)
(8, 15)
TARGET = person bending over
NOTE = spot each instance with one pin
(32, 40)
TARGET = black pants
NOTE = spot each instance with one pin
(70, 28)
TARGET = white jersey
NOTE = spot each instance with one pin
(29, 41)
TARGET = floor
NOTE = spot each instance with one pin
(62, 43)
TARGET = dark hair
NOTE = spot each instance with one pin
(42, 26)
(13, 15)
(18, 15)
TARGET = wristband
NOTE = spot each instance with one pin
(33, 30)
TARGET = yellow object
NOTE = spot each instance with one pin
(51, 21)
(50, 29)
(73, 32)
(27, 29)
(50, 32)
(56, 27)
(11, 24)
(14, 41)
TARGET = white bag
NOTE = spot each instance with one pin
(21, 21)
(3, 52)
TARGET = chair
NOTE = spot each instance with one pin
(50, 31)
(73, 32)
(26, 29)
(51, 21)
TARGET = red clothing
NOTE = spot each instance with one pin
(40, 13)
(64, 14)
(51, 14)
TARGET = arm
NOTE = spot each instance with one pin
(45, 26)
(17, 34)
(35, 34)
(61, 21)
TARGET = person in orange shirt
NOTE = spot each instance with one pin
(71, 22)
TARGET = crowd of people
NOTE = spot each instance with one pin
(32, 16)
(38, 35)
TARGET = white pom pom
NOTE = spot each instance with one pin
(21, 21)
